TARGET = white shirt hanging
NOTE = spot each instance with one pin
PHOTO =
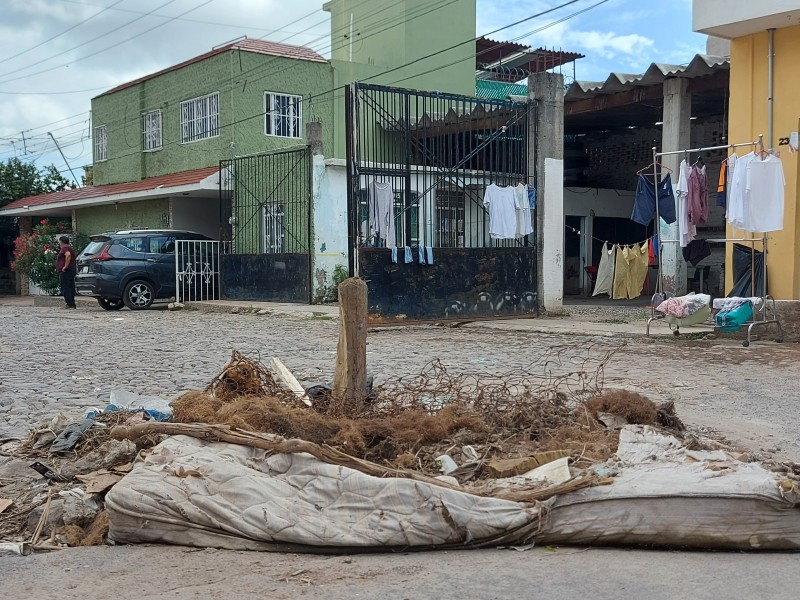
(765, 183)
(738, 191)
(686, 229)
(381, 212)
(502, 204)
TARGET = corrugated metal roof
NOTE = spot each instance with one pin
(499, 90)
(245, 45)
(98, 191)
(700, 66)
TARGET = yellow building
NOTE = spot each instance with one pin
(754, 28)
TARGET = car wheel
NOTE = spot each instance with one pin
(139, 295)
(111, 303)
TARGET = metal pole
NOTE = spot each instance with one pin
(657, 228)
(65, 159)
(770, 87)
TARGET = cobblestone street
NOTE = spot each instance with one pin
(54, 361)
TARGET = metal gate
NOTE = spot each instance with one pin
(437, 153)
(197, 276)
(266, 203)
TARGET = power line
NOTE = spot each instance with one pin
(58, 35)
(332, 91)
(89, 41)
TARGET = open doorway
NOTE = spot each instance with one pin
(574, 255)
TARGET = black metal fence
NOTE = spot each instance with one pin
(437, 154)
(421, 234)
(266, 221)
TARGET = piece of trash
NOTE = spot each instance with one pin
(15, 548)
(605, 471)
(99, 481)
(446, 464)
(448, 479)
(554, 472)
(4, 504)
(612, 421)
(469, 454)
(72, 434)
(158, 408)
(47, 472)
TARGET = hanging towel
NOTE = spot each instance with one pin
(532, 197)
(523, 210)
(409, 257)
(620, 288)
(722, 185)
(429, 255)
(605, 272)
(421, 250)
(394, 255)
(637, 271)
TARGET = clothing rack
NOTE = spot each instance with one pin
(760, 317)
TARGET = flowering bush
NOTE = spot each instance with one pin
(35, 253)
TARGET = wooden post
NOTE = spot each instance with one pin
(350, 377)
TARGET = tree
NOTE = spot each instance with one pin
(20, 179)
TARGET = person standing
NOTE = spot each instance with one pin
(65, 266)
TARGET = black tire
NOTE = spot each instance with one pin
(111, 303)
(139, 295)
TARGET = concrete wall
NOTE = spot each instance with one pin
(748, 118)
(123, 215)
(200, 215)
(330, 244)
(241, 78)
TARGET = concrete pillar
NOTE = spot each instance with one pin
(546, 161)
(675, 136)
(328, 244)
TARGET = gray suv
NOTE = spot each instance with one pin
(130, 268)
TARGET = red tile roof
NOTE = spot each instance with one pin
(98, 191)
(245, 45)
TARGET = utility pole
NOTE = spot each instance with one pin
(65, 159)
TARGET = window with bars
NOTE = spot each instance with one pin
(200, 118)
(100, 143)
(274, 229)
(283, 115)
(152, 130)
(450, 217)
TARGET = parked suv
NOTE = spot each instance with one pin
(130, 268)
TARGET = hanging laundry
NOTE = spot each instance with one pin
(637, 271)
(532, 197)
(381, 213)
(764, 194)
(652, 251)
(696, 251)
(697, 200)
(408, 256)
(644, 201)
(630, 271)
(502, 205)
(686, 229)
(524, 226)
(429, 255)
(605, 272)
(737, 190)
(722, 185)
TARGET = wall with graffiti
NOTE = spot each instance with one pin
(450, 283)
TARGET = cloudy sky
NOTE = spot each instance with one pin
(55, 55)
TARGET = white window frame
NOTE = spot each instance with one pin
(274, 219)
(152, 131)
(200, 118)
(100, 143)
(273, 115)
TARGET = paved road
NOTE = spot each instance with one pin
(53, 360)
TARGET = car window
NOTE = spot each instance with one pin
(93, 248)
(135, 244)
(162, 244)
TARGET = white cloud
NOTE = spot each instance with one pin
(608, 44)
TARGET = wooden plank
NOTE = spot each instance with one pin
(289, 380)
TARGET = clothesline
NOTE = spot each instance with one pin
(578, 231)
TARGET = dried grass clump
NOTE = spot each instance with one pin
(633, 407)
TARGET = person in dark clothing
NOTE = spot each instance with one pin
(65, 266)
